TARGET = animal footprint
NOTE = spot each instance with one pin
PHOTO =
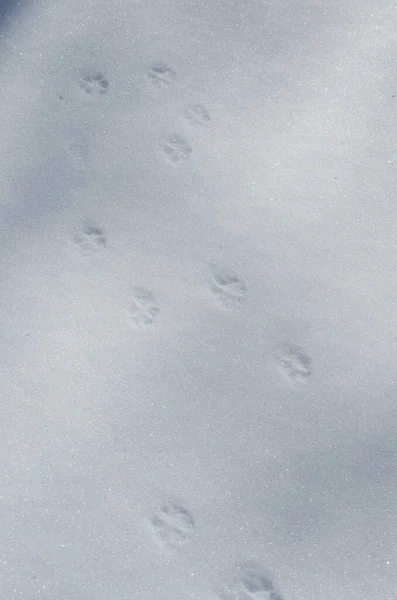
(90, 240)
(176, 149)
(254, 583)
(196, 114)
(161, 75)
(249, 581)
(94, 84)
(173, 525)
(143, 307)
(295, 363)
(227, 287)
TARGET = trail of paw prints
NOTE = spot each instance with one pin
(90, 241)
(249, 581)
(175, 149)
(227, 287)
(143, 307)
(197, 115)
(294, 362)
(172, 526)
(160, 75)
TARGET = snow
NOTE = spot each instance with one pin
(198, 266)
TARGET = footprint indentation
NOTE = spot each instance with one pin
(173, 525)
(94, 84)
(256, 584)
(176, 149)
(90, 240)
(227, 287)
(249, 581)
(295, 363)
(161, 75)
(197, 114)
(143, 307)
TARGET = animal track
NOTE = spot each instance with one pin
(143, 307)
(197, 114)
(173, 525)
(227, 287)
(161, 75)
(176, 149)
(94, 84)
(90, 240)
(249, 582)
(254, 582)
(295, 362)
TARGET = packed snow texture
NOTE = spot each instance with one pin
(199, 327)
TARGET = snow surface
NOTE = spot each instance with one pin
(199, 317)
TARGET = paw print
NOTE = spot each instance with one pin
(143, 308)
(90, 240)
(94, 84)
(173, 525)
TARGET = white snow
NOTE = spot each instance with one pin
(198, 272)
